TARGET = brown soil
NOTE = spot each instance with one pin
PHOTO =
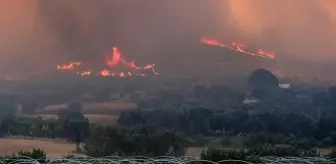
(52, 148)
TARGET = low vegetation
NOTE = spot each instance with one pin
(169, 119)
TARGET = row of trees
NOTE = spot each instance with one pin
(210, 122)
(307, 142)
(58, 128)
(36, 154)
(70, 124)
(134, 141)
(253, 155)
(211, 154)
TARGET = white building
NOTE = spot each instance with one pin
(250, 101)
(285, 86)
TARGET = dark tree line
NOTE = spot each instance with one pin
(209, 122)
(135, 141)
(70, 124)
(253, 155)
(204, 121)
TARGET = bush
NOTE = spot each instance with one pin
(225, 141)
(332, 154)
(37, 154)
(326, 142)
(218, 154)
(25, 157)
(252, 155)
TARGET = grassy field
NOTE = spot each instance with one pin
(194, 151)
(106, 113)
(93, 118)
(52, 148)
(94, 107)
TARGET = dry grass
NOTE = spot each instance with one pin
(93, 118)
(52, 148)
(102, 119)
(194, 151)
(324, 151)
(95, 106)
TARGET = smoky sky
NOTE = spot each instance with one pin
(37, 34)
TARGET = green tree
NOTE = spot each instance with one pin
(332, 154)
(29, 107)
(7, 109)
(130, 141)
(262, 79)
(327, 142)
(75, 107)
(333, 136)
(36, 154)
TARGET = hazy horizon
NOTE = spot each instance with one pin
(37, 34)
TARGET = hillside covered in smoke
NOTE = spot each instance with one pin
(38, 34)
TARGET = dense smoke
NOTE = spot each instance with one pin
(304, 30)
(40, 33)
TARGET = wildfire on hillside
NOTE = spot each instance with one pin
(112, 62)
(69, 66)
(238, 47)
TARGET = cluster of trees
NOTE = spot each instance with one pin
(253, 155)
(211, 154)
(299, 116)
(307, 142)
(207, 122)
(135, 141)
(281, 117)
(26, 156)
(325, 102)
(262, 84)
(70, 124)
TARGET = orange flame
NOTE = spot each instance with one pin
(105, 72)
(86, 73)
(114, 60)
(116, 57)
(155, 73)
(239, 48)
(69, 66)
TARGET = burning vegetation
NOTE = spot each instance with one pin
(69, 66)
(238, 47)
(112, 63)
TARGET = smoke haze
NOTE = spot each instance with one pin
(35, 34)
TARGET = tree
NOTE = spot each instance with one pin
(75, 107)
(7, 109)
(333, 136)
(135, 141)
(327, 142)
(332, 154)
(262, 79)
(29, 107)
(219, 154)
(36, 154)
(45, 129)
(320, 99)
(80, 129)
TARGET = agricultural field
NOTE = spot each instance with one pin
(94, 107)
(51, 147)
(106, 113)
(93, 118)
